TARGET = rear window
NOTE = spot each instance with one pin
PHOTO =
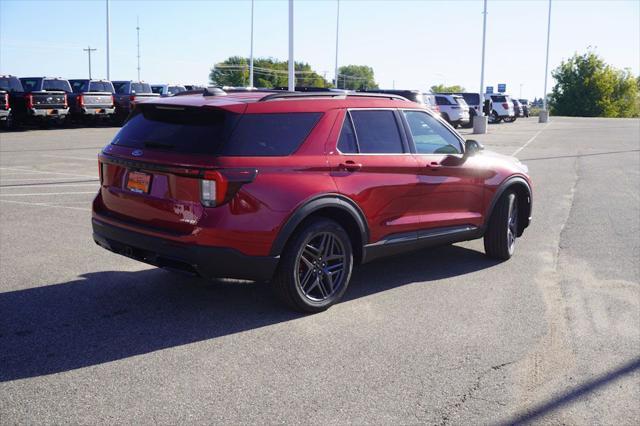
(460, 100)
(101, 86)
(215, 132)
(30, 84)
(270, 134)
(176, 89)
(441, 100)
(79, 86)
(62, 85)
(10, 84)
(377, 132)
(121, 87)
(140, 88)
(471, 98)
(498, 98)
(157, 89)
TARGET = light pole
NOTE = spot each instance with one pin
(337, 34)
(292, 76)
(544, 114)
(480, 120)
(89, 50)
(108, 41)
(521, 84)
(251, 53)
(138, 35)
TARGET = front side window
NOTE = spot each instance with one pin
(377, 132)
(430, 136)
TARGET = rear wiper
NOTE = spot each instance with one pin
(151, 144)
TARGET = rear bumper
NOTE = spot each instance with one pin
(208, 262)
(4, 113)
(47, 112)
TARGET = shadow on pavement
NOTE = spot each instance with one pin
(107, 316)
(574, 394)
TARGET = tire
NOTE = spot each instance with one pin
(296, 284)
(470, 123)
(500, 236)
(494, 118)
(446, 117)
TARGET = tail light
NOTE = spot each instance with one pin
(6, 101)
(28, 99)
(218, 187)
(505, 105)
(113, 100)
(80, 100)
(132, 99)
(65, 100)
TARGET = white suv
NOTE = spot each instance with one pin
(454, 109)
(502, 108)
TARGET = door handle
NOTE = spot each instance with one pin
(434, 165)
(350, 166)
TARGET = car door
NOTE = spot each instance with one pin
(371, 164)
(451, 190)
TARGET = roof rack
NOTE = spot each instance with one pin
(295, 95)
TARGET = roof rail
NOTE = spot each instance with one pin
(296, 95)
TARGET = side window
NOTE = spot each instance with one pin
(441, 100)
(347, 143)
(430, 136)
(377, 132)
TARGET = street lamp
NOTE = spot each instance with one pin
(544, 114)
(89, 50)
(480, 121)
(292, 76)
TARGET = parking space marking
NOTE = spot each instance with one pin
(45, 179)
(44, 172)
(68, 157)
(49, 185)
(45, 205)
(47, 193)
(530, 140)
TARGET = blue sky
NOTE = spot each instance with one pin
(412, 43)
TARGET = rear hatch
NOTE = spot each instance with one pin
(95, 100)
(48, 100)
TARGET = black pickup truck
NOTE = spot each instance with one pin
(128, 93)
(9, 87)
(43, 100)
(91, 99)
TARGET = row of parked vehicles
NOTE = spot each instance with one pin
(45, 100)
(48, 100)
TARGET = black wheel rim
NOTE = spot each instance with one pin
(320, 266)
(512, 223)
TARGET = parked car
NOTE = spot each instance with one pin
(292, 188)
(91, 99)
(517, 109)
(167, 89)
(430, 102)
(453, 109)
(10, 89)
(525, 107)
(43, 100)
(502, 108)
(128, 93)
(193, 87)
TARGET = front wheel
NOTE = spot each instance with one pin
(315, 267)
(500, 236)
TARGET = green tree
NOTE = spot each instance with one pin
(441, 88)
(586, 86)
(267, 73)
(355, 77)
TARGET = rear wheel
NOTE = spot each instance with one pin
(315, 267)
(494, 118)
(500, 236)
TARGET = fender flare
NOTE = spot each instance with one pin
(311, 206)
(506, 184)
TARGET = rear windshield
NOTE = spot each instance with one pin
(62, 85)
(497, 98)
(140, 88)
(10, 84)
(176, 89)
(79, 86)
(30, 84)
(201, 131)
(157, 89)
(471, 98)
(101, 86)
(460, 100)
(121, 87)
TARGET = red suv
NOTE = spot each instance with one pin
(297, 188)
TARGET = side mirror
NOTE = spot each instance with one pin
(471, 147)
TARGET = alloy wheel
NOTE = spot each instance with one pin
(320, 266)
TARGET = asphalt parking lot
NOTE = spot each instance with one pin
(441, 336)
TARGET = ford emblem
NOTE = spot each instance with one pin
(137, 153)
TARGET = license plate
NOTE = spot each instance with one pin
(53, 112)
(139, 182)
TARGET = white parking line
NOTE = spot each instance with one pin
(45, 205)
(54, 185)
(530, 140)
(46, 193)
(46, 179)
(43, 172)
(95, 159)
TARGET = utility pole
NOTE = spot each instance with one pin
(292, 75)
(481, 119)
(138, 33)
(544, 114)
(108, 41)
(89, 50)
(337, 34)
(251, 54)
(521, 84)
